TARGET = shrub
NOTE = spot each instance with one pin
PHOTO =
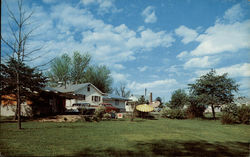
(173, 113)
(87, 119)
(99, 112)
(164, 113)
(107, 116)
(194, 111)
(230, 108)
(228, 118)
(82, 111)
(229, 114)
(243, 113)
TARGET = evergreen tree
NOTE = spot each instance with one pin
(31, 80)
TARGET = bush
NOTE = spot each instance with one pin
(107, 116)
(195, 111)
(229, 114)
(235, 114)
(228, 118)
(230, 108)
(173, 113)
(243, 113)
(82, 111)
(99, 112)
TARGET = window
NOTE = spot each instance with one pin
(96, 98)
(117, 102)
(88, 88)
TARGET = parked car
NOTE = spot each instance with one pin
(76, 107)
(109, 107)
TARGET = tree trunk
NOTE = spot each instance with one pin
(18, 101)
(132, 116)
(212, 106)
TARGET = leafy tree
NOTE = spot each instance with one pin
(121, 91)
(100, 77)
(60, 70)
(214, 89)
(142, 100)
(32, 80)
(79, 66)
(178, 99)
(160, 100)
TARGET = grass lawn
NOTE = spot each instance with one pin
(162, 137)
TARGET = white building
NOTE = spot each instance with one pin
(88, 93)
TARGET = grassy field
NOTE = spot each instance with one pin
(162, 137)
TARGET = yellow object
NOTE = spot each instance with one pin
(144, 108)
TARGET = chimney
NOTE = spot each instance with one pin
(150, 98)
(145, 92)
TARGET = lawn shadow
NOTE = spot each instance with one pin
(173, 148)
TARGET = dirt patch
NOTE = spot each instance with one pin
(61, 118)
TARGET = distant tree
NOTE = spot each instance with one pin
(121, 91)
(142, 100)
(79, 66)
(214, 89)
(32, 80)
(100, 76)
(60, 70)
(178, 99)
(160, 100)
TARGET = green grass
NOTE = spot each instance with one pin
(163, 137)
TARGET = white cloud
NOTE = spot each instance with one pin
(237, 70)
(149, 15)
(87, 2)
(118, 66)
(182, 55)
(244, 83)
(233, 14)
(225, 36)
(159, 84)
(140, 28)
(107, 44)
(105, 6)
(162, 88)
(222, 37)
(119, 77)
(50, 1)
(187, 34)
(201, 62)
(142, 69)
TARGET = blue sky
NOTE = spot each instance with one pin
(161, 45)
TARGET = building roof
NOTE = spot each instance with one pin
(73, 88)
(116, 97)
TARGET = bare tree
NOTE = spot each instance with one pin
(121, 90)
(19, 36)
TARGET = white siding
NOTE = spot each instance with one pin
(9, 110)
(88, 97)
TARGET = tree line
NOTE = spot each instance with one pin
(209, 90)
(77, 69)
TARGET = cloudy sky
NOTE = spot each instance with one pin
(161, 45)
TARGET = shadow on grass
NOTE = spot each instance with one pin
(174, 148)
